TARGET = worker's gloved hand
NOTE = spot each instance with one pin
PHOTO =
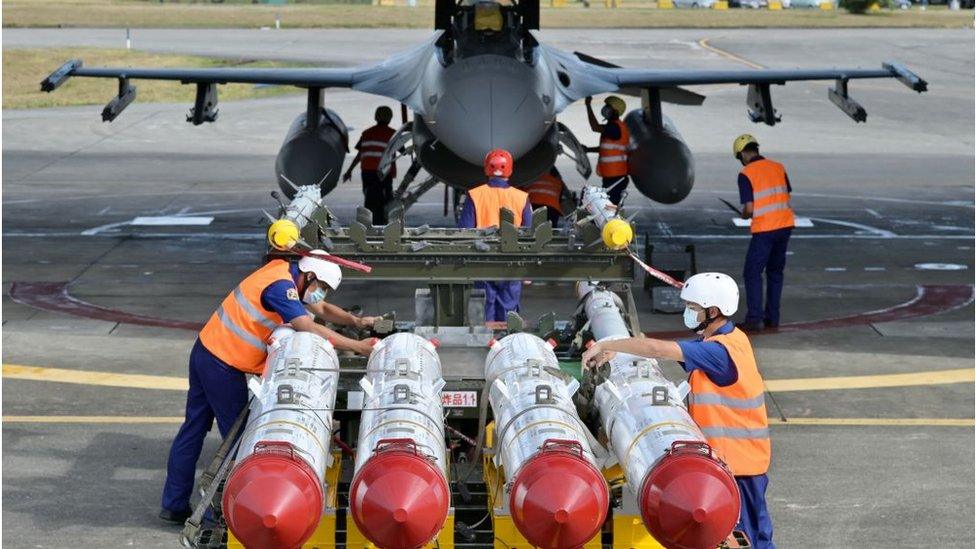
(346, 177)
(363, 322)
(595, 356)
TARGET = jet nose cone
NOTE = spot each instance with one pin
(490, 102)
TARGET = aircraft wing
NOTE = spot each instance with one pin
(396, 78)
(591, 75)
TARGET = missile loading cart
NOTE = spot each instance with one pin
(461, 433)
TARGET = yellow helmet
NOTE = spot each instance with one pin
(740, 143)
(617, 104)
(283, 234)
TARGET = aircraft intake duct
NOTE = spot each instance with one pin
(273, 497)
(558, 498)
(399, 496)
(660, 162)
(312, 154)
(617, 232)
(687, 497)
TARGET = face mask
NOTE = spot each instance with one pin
(314, 296)
(691, 319)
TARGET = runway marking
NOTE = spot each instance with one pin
(728, 55)
(87, 377)
(937, 377)
(773, 421)
(170, 383)
(835, 269)
(929, 299)
(874, 213)
(880, 233)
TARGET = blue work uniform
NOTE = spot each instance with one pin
(767, 252)
(217, 391)
(711, 358)
(503, 296)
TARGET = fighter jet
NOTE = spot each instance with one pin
(484, 81)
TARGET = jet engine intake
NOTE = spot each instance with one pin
(312, 154)
(660, 162)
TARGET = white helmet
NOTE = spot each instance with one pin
(712, 290)
(326, 271)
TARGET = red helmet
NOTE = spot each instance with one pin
(498, 163)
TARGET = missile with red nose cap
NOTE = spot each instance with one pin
(399, 496)
(558, 498)
(688, 499)
(273, 497)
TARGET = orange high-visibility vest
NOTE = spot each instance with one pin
(770, 195)
(546, 191)
(613, 153)
(733, 418)
(488, 202)
(371, 146)
(238, 330)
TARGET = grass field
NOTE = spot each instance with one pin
(634, 13)
(23, 71)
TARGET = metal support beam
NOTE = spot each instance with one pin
(205, 105)
(60, 76)
(126, 95)
(651, 102)
(313, 112)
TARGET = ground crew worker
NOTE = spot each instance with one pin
(232, 344)
(546, 191)
(727, 391)
(764, 191)
(482, 209)
(377, 191)
(614, 144)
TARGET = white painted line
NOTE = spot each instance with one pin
(940, 267)
(170, 220)
(873, 212)
(881, 233)
(835, 269)
(875, 269)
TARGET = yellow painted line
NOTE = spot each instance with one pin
(107, 379)
(878, 421)
(937, 377)
(93, 419)
(800, 421)
(728, 55)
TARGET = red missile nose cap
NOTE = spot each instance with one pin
(399, 499)
(272, 501)
(559, 499)
(689, 500)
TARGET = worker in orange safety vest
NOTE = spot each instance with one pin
(614, 145)
(482, 209)
(727, 398)
(764, 191)
(233, 343)
(377, 191)
(546, 192)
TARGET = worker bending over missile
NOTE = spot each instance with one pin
(727, 392)
(614, 145)
(233, 343)
(547, 192)
(482, 209)
(764, 191)
(377, 191)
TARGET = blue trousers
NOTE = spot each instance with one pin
(216, 391)
(616, 193)
(500, 298)
(767, 252)
(754, 518)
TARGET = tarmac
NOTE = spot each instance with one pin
(871, 382)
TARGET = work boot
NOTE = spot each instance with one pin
(751, 327)
(175, 517)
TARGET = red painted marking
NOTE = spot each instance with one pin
(929, 299)
(54, 296)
